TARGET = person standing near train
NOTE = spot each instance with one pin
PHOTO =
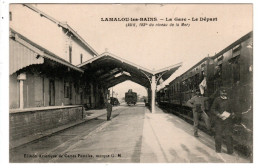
(221, 108)
(109, 109)
(197, 103)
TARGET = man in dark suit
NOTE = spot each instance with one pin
(221, 108)
(109, 109)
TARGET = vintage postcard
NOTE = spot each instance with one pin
(130, 83)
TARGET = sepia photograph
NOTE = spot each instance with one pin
(130, 83)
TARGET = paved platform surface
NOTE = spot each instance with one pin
(88, 115)
(168, 139)
(134, 135)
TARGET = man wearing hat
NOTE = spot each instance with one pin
(109, 109)
(197, 103)
(221, 108)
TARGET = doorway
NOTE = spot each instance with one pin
(52, 93)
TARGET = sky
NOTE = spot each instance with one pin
(156, 47)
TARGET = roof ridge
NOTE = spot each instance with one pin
(63, 24)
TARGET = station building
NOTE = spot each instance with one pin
(55, 74)
(46, 88)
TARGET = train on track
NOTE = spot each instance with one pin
(130, 97)
(114, 101)
(231, 68)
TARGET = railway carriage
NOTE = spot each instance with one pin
(232, 68)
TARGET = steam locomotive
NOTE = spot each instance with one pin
(130, 97)
(231, 68)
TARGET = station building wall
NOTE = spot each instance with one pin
(36, 92)
(33, 122)
(77, 50)
(40, 113)
(36, 28)
(48, 34)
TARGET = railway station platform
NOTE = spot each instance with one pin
(92, 114)
(169, 139)
(87, 115)
(133, 135)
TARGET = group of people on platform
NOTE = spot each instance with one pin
(221, 115)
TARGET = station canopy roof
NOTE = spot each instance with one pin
(110, 70)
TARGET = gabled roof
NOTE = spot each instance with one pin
(107, 54)
(106, 66)
(41, 51)
(165, 73)
(111, 70)
(63, 25)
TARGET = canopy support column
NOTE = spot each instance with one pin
(153, 90)
(21, 77)
(153, 82)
